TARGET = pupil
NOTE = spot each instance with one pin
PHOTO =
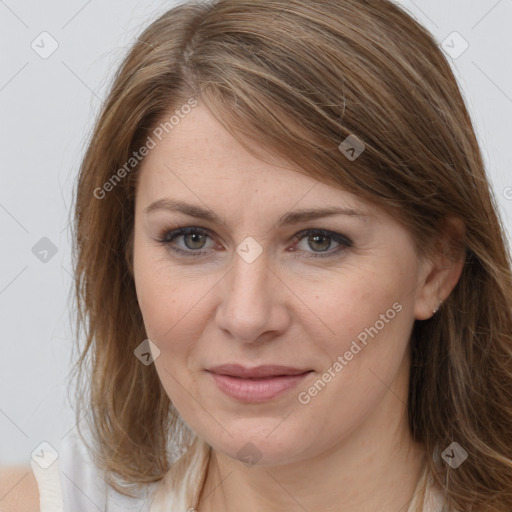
(317, 239)
(194, 241)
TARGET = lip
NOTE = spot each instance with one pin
(258, 384)
(257, 372)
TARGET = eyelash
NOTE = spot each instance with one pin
(168, 237)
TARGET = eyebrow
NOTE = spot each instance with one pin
(294, 217)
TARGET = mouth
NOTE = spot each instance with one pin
(257, 372)
(258, 384)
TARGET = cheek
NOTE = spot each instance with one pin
(363, 357)
(355, 300)
(158, 288)
(170, 305)
(165, 307)
(173, 301)
(366, 317)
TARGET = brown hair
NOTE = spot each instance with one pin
(296, 77)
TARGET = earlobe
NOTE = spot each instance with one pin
(444, 271)
(437, 309)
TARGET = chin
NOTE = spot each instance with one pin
(254, 446)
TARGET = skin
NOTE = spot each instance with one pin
(18, 490)
(349, 448)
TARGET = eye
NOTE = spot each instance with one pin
(321, 243)
(193, 241)
(187, 241)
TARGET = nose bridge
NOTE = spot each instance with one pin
(249, 283)
(249, 305)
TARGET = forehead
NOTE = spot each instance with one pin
(199, 160)
(199, 145)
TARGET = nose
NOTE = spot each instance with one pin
(252, 305)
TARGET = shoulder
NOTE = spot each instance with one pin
(82, 481)
(18, 490)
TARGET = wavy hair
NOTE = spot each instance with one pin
(295, 78)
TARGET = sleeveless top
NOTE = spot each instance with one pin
(73, 483)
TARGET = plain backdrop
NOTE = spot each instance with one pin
(48, 103)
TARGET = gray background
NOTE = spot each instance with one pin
(47, 107)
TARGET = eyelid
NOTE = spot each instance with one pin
(343, 242)
(177, 232)
(170, 234)
(339, 237)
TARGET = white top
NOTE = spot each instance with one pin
(72, 483)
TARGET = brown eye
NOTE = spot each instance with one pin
(194, 240)
(187, 241)
(319, 243)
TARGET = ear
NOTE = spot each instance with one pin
(439, 274)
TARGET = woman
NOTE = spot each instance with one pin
(291, 272)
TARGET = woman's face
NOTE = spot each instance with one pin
(269, 274)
